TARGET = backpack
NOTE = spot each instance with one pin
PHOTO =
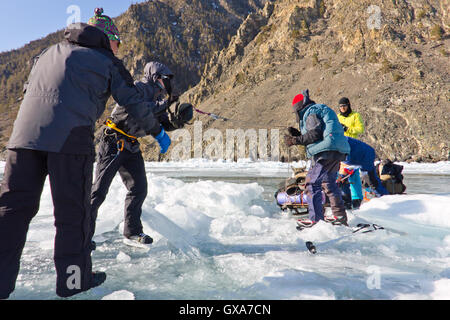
(391, 176)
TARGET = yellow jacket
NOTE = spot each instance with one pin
(354, 124)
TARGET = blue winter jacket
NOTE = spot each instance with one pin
(361, 154)
(321, 123)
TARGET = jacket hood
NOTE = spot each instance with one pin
(88, 36)
(306, 100)
(153, 70)
(301, 106)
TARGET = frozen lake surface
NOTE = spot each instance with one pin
(218, 234)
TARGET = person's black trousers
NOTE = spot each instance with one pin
(70, 178)
(131, 168)
(322, 176)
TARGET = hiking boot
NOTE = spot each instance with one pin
(305, 223)
(356, 203)
(348, 205)
(141, 238)
(98, 278)
(336, 220)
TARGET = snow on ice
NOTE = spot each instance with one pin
(215, 238)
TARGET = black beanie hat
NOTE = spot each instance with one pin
(344, 100)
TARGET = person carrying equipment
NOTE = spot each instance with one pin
(353, 127)
(66, 92)
(323, 136)
(119, 149)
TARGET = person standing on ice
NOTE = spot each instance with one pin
(326, 145)
(119, 149)
(351, 121)
(66, 93)
(353, 127)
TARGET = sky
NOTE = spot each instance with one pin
(22, 21)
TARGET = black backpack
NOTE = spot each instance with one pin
(391, 176)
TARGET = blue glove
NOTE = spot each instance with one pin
(163, 140)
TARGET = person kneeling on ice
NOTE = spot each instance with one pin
(363, 156)
(323, 136)
(119, 149)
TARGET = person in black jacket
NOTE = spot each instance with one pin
(66, 93)
(119, 149)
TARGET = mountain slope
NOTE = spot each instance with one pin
(391, 61)
(182, 34)
(390, 57)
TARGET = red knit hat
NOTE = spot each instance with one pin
(297, 98)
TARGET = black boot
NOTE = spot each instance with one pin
(98, 278)
(141, 238)
(356, 203)
(348, 205)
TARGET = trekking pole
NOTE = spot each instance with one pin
(218, 117)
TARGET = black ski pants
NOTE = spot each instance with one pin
(70, 178)
(131, 168)
(323, 175)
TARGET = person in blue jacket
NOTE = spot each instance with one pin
(363, 156)
(326, 145)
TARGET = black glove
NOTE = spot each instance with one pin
(183, 114)
(290, 140)
(165, 122)
(345, 128)
(173, 98)
(294, 132)
(161, 107)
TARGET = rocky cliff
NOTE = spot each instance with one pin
(246, 60)
(390, 58)
(182, 34)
